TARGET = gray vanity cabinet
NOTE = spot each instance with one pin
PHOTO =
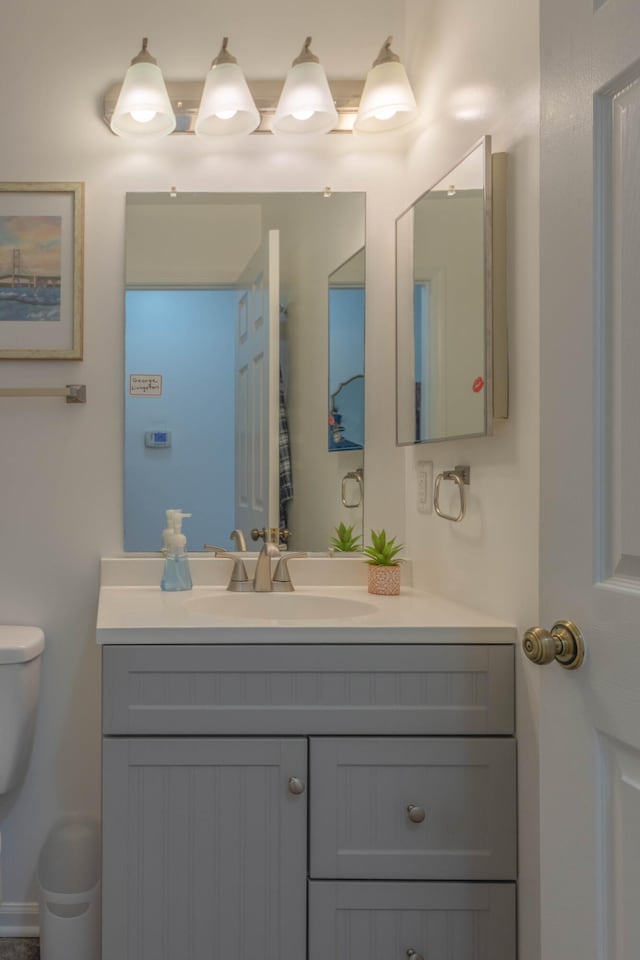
(309, 802)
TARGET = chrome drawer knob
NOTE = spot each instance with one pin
(412, 955)
(416, 815)
(296, 786)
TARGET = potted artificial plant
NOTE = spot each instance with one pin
(345, 540)
(384, 564)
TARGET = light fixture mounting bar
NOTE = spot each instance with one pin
(185, 99)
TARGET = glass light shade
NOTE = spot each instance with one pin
(143, 108)
(306, 103)
(226, 105)
(387, 100)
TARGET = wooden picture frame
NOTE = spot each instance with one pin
(41, 271)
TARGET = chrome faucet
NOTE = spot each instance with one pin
(262, 582)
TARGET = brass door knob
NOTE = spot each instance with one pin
(564, 643)
(416, 814)
(268, 534)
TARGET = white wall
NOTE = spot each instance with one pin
(478, 66)
(189, 240)
(61, 476)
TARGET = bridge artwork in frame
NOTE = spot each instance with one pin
(41, 271)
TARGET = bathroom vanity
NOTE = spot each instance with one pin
(306, 787)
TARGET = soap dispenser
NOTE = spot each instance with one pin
(176, 575)
(168, 532)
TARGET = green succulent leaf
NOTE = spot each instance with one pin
(345, 541)
(382, 552)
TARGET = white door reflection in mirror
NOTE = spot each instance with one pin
(257, 377)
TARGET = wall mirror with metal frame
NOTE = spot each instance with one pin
(450, 311)
(227, 345)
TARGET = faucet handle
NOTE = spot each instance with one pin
(281, 578)
(239, 578)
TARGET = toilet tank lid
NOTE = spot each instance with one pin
(20, 644)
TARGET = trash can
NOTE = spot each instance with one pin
(69, 882)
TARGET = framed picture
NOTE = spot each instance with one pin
(41, 268)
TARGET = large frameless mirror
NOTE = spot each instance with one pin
(227, 345)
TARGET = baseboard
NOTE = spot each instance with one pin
(19, 920)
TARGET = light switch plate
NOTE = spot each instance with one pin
(424, 486)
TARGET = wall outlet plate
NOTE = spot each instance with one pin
(424, 486)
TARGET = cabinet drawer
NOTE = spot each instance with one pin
(378, 921)
(316, 688)
(361, 790)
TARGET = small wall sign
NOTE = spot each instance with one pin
(145, 385)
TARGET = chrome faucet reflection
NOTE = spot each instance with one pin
(239, 537)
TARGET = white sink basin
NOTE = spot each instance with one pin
(278, 606)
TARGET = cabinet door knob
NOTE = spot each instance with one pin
(416, 815)
(296, 786)
(412, 955)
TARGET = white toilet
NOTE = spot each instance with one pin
(20, 650)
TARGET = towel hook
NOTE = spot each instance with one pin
(461, 475)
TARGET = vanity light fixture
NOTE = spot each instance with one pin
(226, 105)
(143, 108)
(387, 100)
(306, 103)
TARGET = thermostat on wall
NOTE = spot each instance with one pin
(157, 438)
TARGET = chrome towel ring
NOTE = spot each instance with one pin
(461, 475)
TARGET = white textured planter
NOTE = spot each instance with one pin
(385, 581)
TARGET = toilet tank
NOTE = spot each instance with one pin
(20, 654)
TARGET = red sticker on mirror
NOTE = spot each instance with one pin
(478, 384)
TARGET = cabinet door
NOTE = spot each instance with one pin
(204, 849)
(396, 921)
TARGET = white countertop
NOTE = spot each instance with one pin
(141, 613)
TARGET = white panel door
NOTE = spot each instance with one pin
(590, 493)
(257, 389)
